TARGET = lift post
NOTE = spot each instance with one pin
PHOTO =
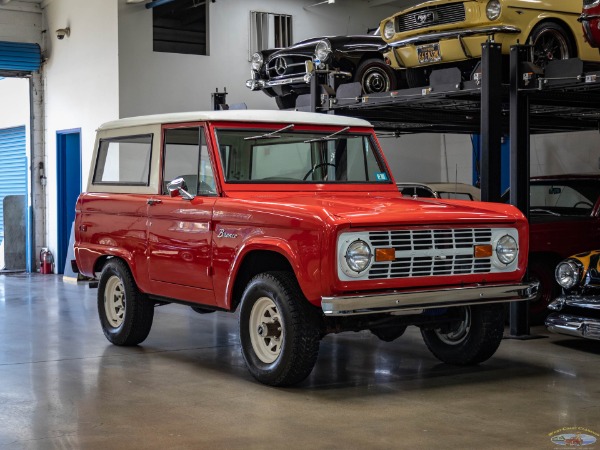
(491, 120)
(519, 165)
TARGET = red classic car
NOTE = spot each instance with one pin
(293, 219)
(564, 220)
(590, 19)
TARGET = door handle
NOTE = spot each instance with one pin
(153, 201)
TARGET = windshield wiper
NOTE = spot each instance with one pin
(271, 134)
(327, 138)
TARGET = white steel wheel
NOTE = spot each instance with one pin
(456, 335)
(125, 313)
(266, 330)
(114, 301)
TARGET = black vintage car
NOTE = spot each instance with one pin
(282, 72)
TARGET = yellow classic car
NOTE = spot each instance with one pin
(450, 32)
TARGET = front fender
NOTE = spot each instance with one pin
(305, 265)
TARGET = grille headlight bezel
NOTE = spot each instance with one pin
(323, 50)
(568, 274)
(493, 10)
(507, 249)
(257, 61)
(389, 30)
(358, 256)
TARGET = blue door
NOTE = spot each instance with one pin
(13, 167)
(68, 163)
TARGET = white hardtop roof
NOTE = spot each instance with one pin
(238, 116)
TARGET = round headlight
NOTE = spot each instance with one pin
(256, 61)
(567, 274)
(388, 29)
(493, 9)
(358, 256)
(507, 249)
(322, 50)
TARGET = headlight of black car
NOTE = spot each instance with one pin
(568, 273)
(256, 61)
(322, 50)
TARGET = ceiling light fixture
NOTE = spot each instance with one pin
(326, 2)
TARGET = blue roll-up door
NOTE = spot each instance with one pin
(19, 57)
(13, 167)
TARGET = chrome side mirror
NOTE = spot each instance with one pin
(179, 187)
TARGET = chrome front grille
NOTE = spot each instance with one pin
(287, 66)
(431, 16)
(420, 253)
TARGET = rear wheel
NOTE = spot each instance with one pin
(375, 76)
(279, 330)
(471, 339)
(125, 313)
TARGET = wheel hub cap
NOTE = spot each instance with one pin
(266, 330)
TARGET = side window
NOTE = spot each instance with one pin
(268, 30)
(124, 161)
(186, 156)
(181, 26)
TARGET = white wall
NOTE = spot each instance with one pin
(81, 82)
(162, 82)
(413, 157)
(565, 153)
(14, 103)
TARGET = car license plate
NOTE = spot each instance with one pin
(429, 53)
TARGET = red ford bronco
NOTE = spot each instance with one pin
(294, 219)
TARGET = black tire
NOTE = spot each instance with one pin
(550, 42)
(417, 77)
(472, 341)
(286, 101)
(541, 269)
(125, 313)
(375, 76)
(279, 330)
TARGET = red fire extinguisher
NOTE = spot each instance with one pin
(46, 261)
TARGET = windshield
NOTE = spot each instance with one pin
(285, 156)
(568, 197)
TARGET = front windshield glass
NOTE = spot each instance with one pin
(274, 156)
(564, 197)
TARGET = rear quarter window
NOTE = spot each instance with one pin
(124, 161)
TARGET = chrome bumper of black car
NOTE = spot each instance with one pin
(454, 34)
(256, 84)
(576, 301)
(417, 301)
(574, 326)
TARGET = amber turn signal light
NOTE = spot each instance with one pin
(385, 254)
(482, 251)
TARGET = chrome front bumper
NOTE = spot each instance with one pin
(574, 326)
(255, 84)
(407, 301)
(454, 34)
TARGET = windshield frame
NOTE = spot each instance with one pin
(300, 185)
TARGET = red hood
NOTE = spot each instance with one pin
(367, 209)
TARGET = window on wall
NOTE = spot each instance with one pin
(268, 30)
(181, 26)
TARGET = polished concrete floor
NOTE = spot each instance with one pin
(63, 386)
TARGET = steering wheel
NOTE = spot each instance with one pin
(587, 204)
(315, 168)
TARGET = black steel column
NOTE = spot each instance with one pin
(491, 121)
(519, 165)
(314, 90)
